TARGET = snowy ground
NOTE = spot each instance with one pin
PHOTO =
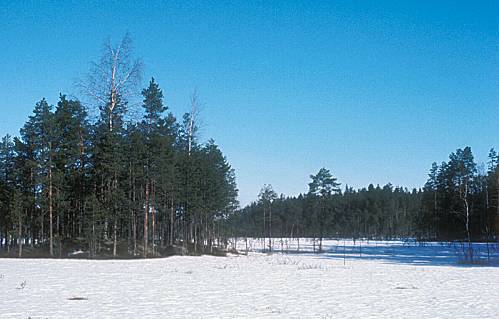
(381, 280)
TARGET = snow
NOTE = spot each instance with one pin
(385, 280)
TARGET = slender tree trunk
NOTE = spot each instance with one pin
(184, 229)
(34, 194)
(115, 237)
(153, 215)
(264, 229)
(270, 227)
(130, 196)
(172, 220)
(134, 225)
(467, 216)
(153, 211)
(146, 221)
(113, 98)
(42, 234)
(135, 221)
(497, 201)
(435, 212)
(94, 240)
(51, 241)
(20, 234)
(321, 227)
(116, 212)
(213, 239)
(195, 234)
(82, 203)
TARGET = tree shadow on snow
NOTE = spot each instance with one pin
(430, 254)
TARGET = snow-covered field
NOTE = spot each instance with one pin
(381, 280)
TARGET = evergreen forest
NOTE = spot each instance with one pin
(121, 185)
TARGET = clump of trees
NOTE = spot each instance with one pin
(460, 199)
(118, 186)
(458, 202)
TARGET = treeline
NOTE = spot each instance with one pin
(458, 202)
(112, 186)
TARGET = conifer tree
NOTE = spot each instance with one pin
(35, 166)
(153, 126)
(266, 197)
(322, 186)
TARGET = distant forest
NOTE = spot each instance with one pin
(458, 202)
(113, 186)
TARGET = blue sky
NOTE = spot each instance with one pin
(373, 90)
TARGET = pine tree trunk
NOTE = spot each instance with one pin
(94, 240)
(195, 235)
(214, 234)
(153, 201)
(51, 241)
(146, 221)
(435, 212)
(270, 228)
(135, 221)
(172, 221)
(153, 211)
(497, 201)
(115, 236)
(20, 234)
(264, 239)
(82, 203)
(42, 234)
(467, 212)
(321, 223)
(130, 196)
(134, 226)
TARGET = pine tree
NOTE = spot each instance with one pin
(493, 193)
(18, 214)
(322, 186)
(108, 159)
(7, 183)
(429, 219)
(266, 197)
(152, 125)
(71, 159)
(35, 167)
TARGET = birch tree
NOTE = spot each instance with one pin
(111, 83)
(115, 77)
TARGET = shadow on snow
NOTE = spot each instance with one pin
(430, 254)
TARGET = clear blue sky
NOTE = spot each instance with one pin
(373, 90)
